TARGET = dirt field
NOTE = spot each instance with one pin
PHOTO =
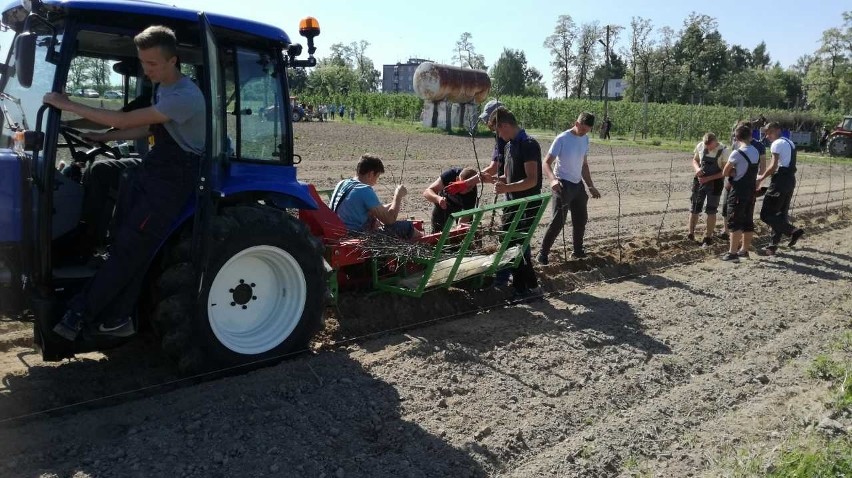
(672, 363)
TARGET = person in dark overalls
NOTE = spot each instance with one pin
(521, 178)
(761, 151)
(451, 193)
(707, 185)
(148, 207)
(742, 167)
(776, 204)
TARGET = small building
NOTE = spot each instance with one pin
(399, 78)
(616, 87)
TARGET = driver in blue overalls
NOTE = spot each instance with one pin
(157, 194)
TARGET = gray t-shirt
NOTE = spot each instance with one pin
(184, 104)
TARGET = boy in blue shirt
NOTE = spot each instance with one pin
(360, 209)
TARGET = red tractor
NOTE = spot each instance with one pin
(840, 140)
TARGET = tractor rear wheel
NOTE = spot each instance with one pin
(840, 146)
(261, 298)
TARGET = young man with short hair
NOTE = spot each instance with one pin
(707, 186)
(761, 153)
(742, 167)
(158, 193)
(776, 203)
(521, 178)
(451, 193)
(570, 152)
(360, 209)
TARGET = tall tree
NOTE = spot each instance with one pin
(739, 59)
(465, 53)
(79, 71)
(640, 54)
(760, 57)
(561, 44)
(99, 73)
(298, 79)
(511, 76)
(368, 76)
(617, 69)
(665, 69)
(701, 54)
(586, 56)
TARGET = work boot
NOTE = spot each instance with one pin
(70, 325)
(542, 259)
(579, 254)
(706, 242)
(795, 236)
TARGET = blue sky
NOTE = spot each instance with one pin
(401, 29)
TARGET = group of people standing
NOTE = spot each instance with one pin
(516, 171)
(737, 182)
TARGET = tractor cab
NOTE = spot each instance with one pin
(247, 177)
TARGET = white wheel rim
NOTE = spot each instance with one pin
(256, 315)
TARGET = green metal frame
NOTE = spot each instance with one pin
(512, 238)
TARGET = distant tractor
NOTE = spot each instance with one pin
(840, 140)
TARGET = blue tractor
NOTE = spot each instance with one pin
(240, 279)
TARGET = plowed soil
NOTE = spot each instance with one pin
(651, 358)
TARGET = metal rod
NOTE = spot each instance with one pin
(668, 200)
(404, 157)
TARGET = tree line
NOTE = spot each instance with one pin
(693, 65)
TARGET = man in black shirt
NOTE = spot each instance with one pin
(521, 178)
(450, 193)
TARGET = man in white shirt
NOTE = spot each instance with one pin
(707, 186)
(570, 150)
(742, 167)
(776, 204)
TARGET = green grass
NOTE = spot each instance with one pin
(816, 458)
(825, 368)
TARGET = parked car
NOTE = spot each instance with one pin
(87, 93)
(113, 95)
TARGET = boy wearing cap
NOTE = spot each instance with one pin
(568, 183)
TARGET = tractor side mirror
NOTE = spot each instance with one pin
(25, 48)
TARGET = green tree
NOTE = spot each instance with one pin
(640, 55)
(79, 72)
(465, 54)
(617, 69)
(586, 57)
(561, 43)
(330, 80)
(368, 76)
(511, 76)
(760, 57)
(739, 59)
(298, 79)
(702, 56)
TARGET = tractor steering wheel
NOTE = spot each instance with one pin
(74, 139)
